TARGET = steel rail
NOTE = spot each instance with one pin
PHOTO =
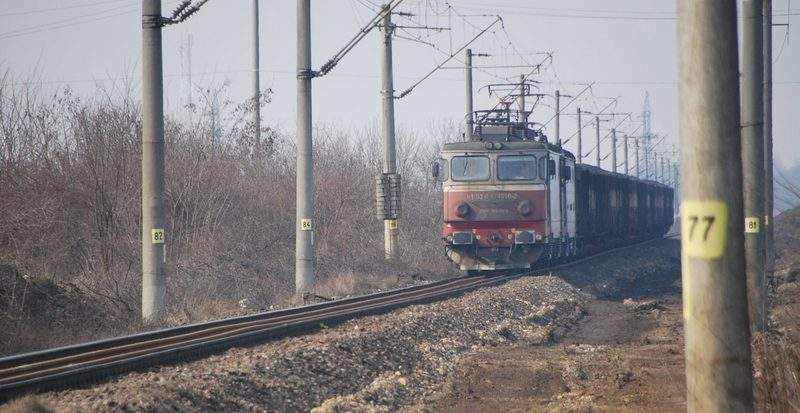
(137, 348)
(89, 362)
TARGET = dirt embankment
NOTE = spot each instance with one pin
(395, 361)
(626, 354)
(37, 314)
(380, 362)
(777, 354)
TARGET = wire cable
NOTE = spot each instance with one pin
(435, 69)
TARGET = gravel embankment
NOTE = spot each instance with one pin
(376, 363)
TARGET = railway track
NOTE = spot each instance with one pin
(84, 363)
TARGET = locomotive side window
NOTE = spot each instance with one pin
(439, 170)
(469, 168)
(517, 168)
(543, 167)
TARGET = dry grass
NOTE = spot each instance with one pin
(70, 196)
(776, 354)
(27, 404)
(777, 378)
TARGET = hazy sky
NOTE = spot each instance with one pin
(626, 46)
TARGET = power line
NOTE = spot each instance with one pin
(438, 49)
(73, 21)
(444, 53)
(589, 86)
(52, 9)
(600, 112)
(362, 33)
(519, 10)
(411, 88)
(671, 13)
(130, 8)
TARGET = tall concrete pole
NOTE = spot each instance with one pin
(613, 150)
(580, 150)
(256, 79)
(769, 231)
(521, 99)
(468, 75)
(655, 166)
(304, 245)
(752, 83)
(636, 149)
(646, 141)
(597, 135)
(625, 155)
(558, 118)
(717, 338)
(663, 176)
(154, 277)
(670, 168)
(391, 244)
(678, 186)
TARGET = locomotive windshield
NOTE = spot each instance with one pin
(517, 168)
(469, 168)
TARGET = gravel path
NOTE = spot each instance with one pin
(376, 363)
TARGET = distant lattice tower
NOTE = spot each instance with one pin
(647, 136)
(646, 115)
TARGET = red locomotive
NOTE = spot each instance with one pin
(512, 200)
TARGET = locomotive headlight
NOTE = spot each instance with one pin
(525, 208)
(462, 210)
(525, 237)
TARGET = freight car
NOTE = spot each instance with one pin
(513, 200)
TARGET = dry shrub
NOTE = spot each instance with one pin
(70, 196)
(777, 378)
(27, 404)
(339, 285)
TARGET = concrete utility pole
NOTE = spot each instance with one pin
(677, 187)
(663, 176)
(655, 166)
(468, 75)
(256, 80)
(304, 245)
(668, 172)
(470, 122)
(646, 140)
(670, 168)
(752, 83)
(718, 374)
(636, 149)
(391, 244)
(657, 157)
(154, 277)
(521, 99)
(558, 118)
(625, 155)
(613, 150)
(769, 232)
(580, 150)
(597, 134)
